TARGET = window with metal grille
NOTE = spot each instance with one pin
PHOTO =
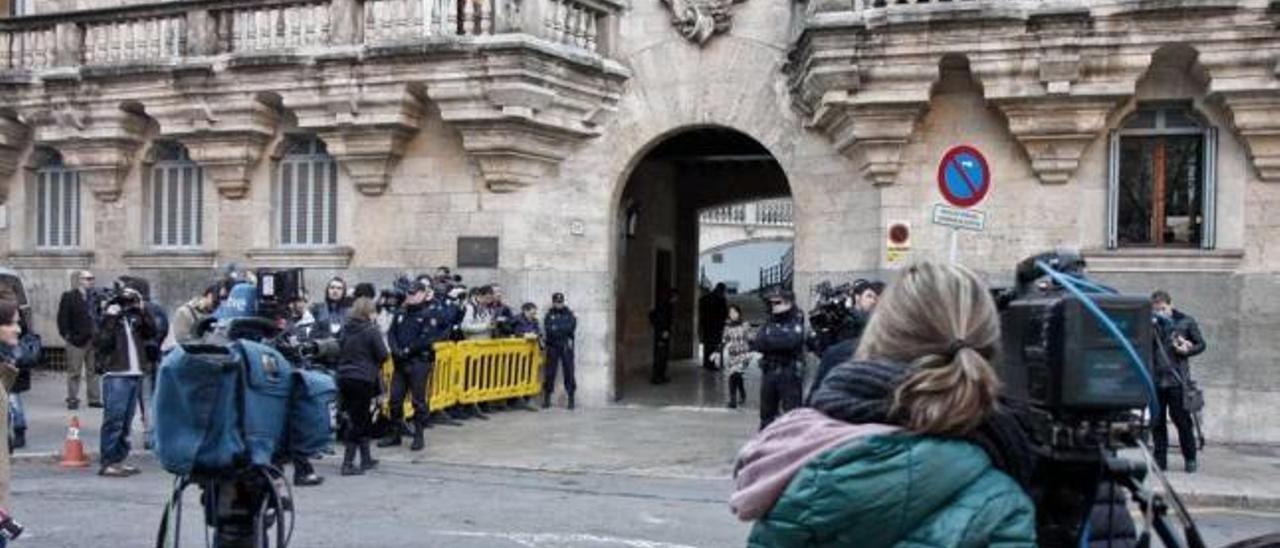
(56, 200)
(307, 194)
(1162, 177)
(175, 198)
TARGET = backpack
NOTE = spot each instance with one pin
(220, 407)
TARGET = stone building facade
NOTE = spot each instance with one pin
(368, 136)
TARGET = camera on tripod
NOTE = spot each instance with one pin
(831, 316)
(1078, 354)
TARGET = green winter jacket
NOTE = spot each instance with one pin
(899, 490)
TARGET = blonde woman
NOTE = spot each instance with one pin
(906, 444)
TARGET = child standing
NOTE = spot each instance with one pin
(737, 353)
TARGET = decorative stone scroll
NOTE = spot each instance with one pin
(1055, 130)
(225, 134)
(699, 20)
(100, 144)
(1256, 118)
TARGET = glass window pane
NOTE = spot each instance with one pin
(199, 206)
(42, 208)
(1184, 190)
(55, 208)
(157, 198)
(333, 202)
(286, 203)
(1143, 119)
(187, 205)
(171, 206)
(303, 206)
(1179, 119)
(1134, 209)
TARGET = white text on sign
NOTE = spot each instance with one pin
(961, 219)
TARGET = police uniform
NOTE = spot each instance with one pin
(781, 341)
(414, 330)
(560, 324)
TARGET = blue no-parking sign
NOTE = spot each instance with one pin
(964, 178)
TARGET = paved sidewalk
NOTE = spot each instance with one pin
(678, 441)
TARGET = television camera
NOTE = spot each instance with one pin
(832, 317)
(263, 406)
(1079, 354)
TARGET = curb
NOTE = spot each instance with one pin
(1232, 501)
(45, 457)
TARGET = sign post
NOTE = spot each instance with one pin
(964, 179)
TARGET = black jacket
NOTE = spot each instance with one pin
(835, 355)
(713, 311)
(560, 325)
(411, 334)
(781, 340)
(75, 321)
(362, 351)
(113, 344)
(1169, 360)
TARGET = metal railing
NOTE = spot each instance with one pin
(160, 33)
(780, 275)
(778, 212)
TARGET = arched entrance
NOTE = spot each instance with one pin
(671, 191)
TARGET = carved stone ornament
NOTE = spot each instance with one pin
(698, 20)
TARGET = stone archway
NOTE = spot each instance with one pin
(676, 177)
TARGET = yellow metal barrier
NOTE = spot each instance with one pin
(471, 372)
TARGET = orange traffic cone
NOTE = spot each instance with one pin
(73, 450)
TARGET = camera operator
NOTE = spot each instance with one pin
(1177, 340)
(865, 296)
(413, 332)
(503, 318)
(126, 326)
(332, 313)
(907, 444)
(781, 341)
(77, 323)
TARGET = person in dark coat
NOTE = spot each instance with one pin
(560, 325)
(713, 311)
(781, 340)
(359, 371)
(77, 326)
(414, 331)
(527, 325)
(660, 318)
(331, 314)
(126, 327)
(1177, 340)
(865, 296)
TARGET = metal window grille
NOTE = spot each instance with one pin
(307, 195)
(177, 200)
(57, 203)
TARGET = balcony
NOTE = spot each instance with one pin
(524, 81)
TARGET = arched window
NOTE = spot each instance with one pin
(175, 198)
(56, 200)
(307, 194)
(1162, 179)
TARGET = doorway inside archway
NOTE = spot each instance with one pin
(704, 206)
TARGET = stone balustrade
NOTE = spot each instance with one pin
(765, 212)
(167, 33)
(33, 47)
(135, 40)
(276, 27)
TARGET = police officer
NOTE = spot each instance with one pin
(781, 341)
(411, 338)
(560, 325)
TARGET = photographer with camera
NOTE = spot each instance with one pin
(188, 316)
(126, 328)
(865, 294)
(781, 341)
(414, 331)
(1177, 340)
(77, 323)
(907, 444)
